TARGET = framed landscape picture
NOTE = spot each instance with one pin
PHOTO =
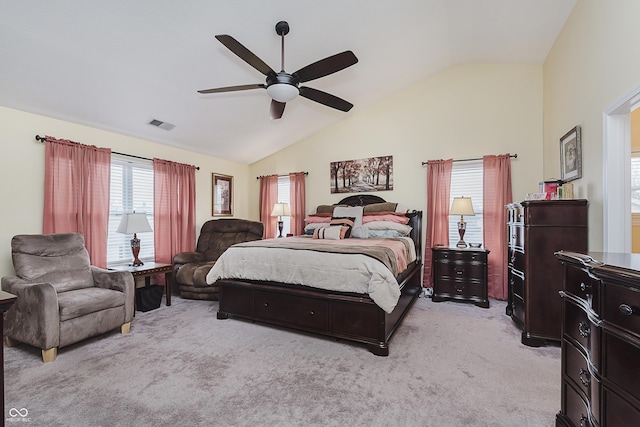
(355, 176)
(571, 155)
(222, 200)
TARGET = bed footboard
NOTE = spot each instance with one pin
(347, 316)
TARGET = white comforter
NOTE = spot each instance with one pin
(338, 272)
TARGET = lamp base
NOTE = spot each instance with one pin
(462, 227)
(135, 250)
(280, 226)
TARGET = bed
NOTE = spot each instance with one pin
(351, 314)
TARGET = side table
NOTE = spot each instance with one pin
(150, 269)
(460, 274)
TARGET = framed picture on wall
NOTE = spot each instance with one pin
(571, 155)
(222, 198)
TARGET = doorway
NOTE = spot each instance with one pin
(617, 131)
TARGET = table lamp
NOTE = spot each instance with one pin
(280, 210)
(134, 223)
(462, 206)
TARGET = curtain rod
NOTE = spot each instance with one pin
(43, 139)
(258, 177)
(515, 156)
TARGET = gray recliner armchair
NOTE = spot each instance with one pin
(191, 268)
(62, 299)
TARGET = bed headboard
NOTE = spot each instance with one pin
(361, 200)
(415, 217)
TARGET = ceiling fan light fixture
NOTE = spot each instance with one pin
(282, 92)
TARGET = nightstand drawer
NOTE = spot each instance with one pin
(453, 270)
(460, 288)
(459, 256)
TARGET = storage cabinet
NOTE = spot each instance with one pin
(601, 339)
(537, 229)
(460, 274)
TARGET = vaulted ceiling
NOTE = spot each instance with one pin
(118, 64)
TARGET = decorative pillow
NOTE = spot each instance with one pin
(344, 222)
(333, 232)
(381, 207)
(356, 212)
(326, 208)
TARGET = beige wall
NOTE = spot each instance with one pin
(22, 171)
(465, 111)
(593, 64)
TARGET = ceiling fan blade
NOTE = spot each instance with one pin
(245, 54)
(326, 66)
(276, 110)
(325, 98)
(233, 88)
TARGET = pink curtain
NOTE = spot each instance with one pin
(438, 190)
(497, 194)
(174, 209)
(268, 197)
(298, 202)
(76, 194)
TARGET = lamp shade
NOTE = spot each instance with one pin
(282, 92)
(134, 223)
(281, 209)
(462, 206)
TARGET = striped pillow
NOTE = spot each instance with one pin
(332, 232)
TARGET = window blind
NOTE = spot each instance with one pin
(131, 191)
(467, 181)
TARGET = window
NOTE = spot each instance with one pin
(635, 183)
(284, 196)
(467, 180)
(131, 191)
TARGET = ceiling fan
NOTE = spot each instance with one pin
(282, 86)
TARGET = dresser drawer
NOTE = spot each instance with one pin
(516, 259)
(577, 370)
(578, 327)
(618, 411)
(518, 312)
(577, 409)
(516, 281)
(584, 286)
(288, 309)
(621, 306)
(621, 364)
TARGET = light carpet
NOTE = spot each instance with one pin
(450, 364)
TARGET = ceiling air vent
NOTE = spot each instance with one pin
(161, 124)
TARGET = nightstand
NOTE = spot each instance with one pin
(460, 274)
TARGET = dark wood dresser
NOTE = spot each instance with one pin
(537, 229)
(601, 339)
(460, 274)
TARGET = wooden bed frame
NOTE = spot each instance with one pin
(349, 316)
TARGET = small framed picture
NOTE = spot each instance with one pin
(222, 200)
(571, 155)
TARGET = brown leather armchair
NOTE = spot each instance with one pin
(191, 268)
(62, 299)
